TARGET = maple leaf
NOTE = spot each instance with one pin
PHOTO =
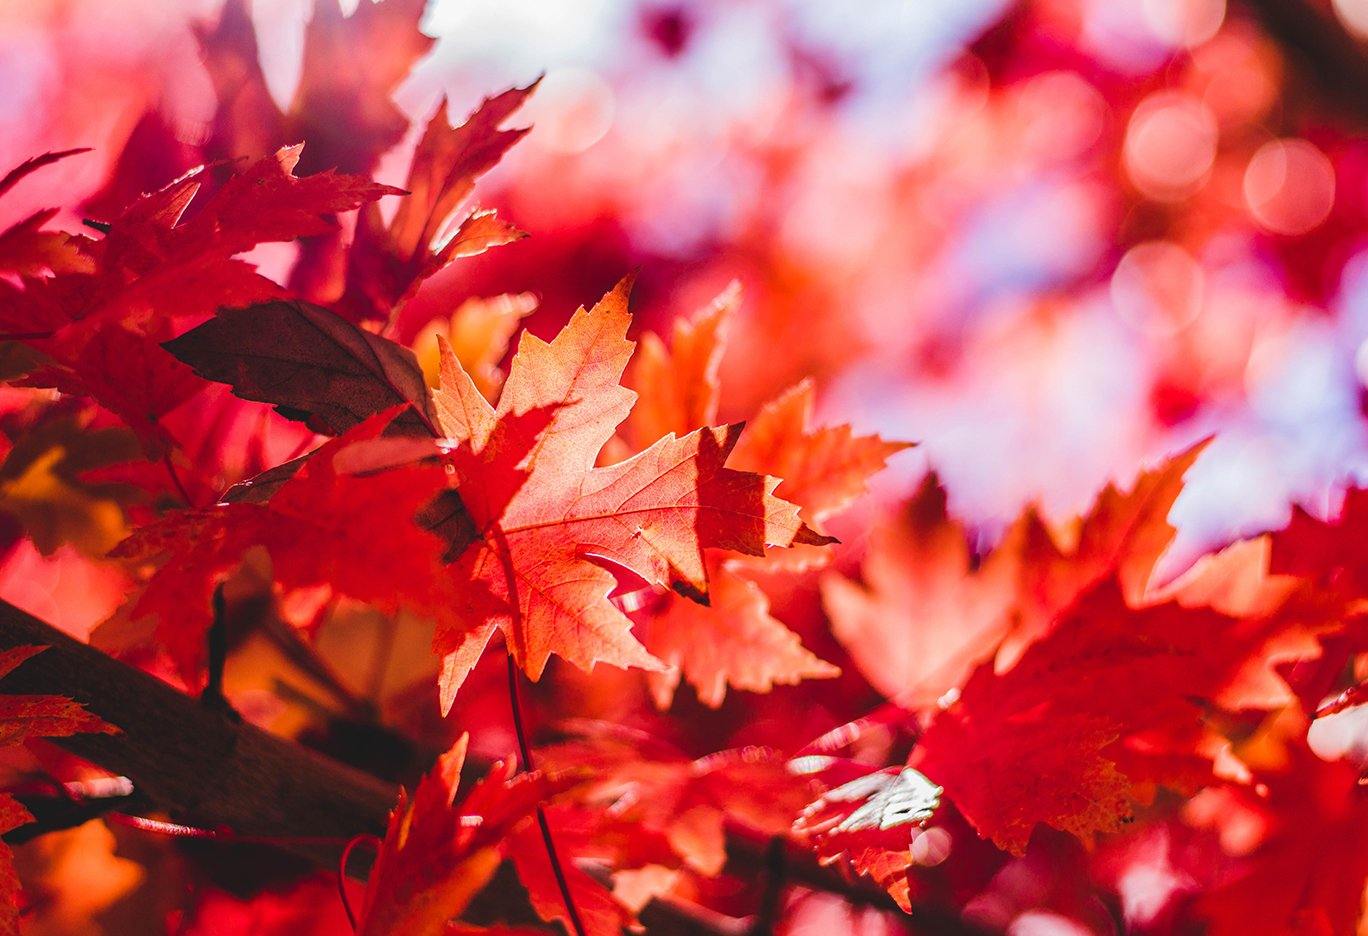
(542, 508)
(824, 469)
(21, 718)
(345, 520)
(870, 817)
(1090, 718)
(436, 856)
(924, 616)
(1239, 581)
(677, 385)
(387, 263)
(1308, 871)
(927, 612)
(733, 641)
(1329, 552)
(478, 333)
(1122, 535)
(310, 363)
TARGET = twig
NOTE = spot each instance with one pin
(772, 897)
(525, 749)
(217, 638)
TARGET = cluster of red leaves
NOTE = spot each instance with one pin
(586, 503)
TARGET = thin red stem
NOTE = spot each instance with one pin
(528, 763)
(176, 480)
(364, 839)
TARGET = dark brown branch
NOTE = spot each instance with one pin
(200, 765)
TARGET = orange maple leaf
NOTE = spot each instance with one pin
(548, 519)
(927, 613)
(924, 616)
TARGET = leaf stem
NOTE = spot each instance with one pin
(365, 838)
(772, 897)
(217, 638)
(529, 764)
(176, 480)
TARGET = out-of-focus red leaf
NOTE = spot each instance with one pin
(688, 801)
(1308, 872)
(926, 613)
(733, 641)
(337, 523)
(346, 114)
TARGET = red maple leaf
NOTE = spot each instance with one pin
(928, 612)
(437, 855)
(689, 802)
(163, 262)
(1093, 715)
(388, 262)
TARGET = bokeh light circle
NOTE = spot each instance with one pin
(1158, 287)
(1170, 145)
(1289, 186)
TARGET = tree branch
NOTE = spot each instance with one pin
(198, 764)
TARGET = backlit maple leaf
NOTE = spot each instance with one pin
(873, 818)
(542, 509)
(925, 615)
(928, 611)
(388, 262)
